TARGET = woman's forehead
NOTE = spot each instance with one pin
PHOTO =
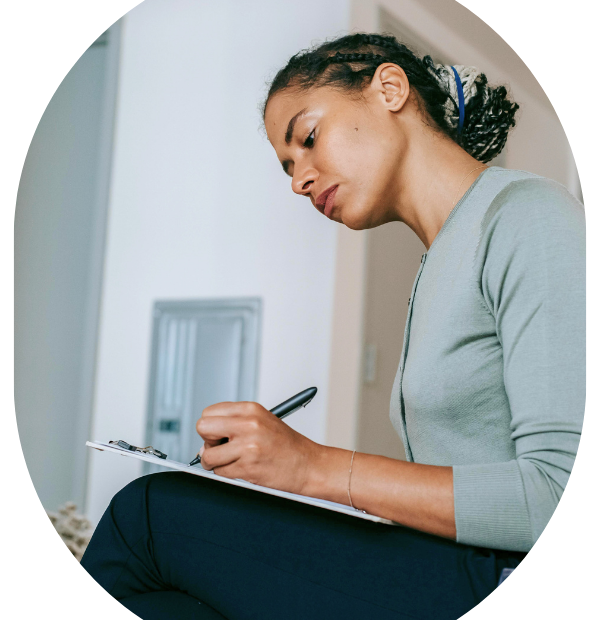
(285, 105)
(282, 105)
(281, 108)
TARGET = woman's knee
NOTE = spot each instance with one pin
(160, 489)
(132, 500)
(133, 491)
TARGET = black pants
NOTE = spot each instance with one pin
(173, 545)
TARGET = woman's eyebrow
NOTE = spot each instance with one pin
(288, 136)
(291, 124)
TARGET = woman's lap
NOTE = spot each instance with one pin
(251, 555)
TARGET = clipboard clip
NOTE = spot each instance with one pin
(147, 450)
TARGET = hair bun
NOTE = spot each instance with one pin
(487, 124)
(489, 115)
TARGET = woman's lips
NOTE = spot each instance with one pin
(325, 201)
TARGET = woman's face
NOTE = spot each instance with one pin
(343, 153)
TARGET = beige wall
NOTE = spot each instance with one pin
(390, 255)
(347, 339)
(393, 257)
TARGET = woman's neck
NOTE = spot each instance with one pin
(435, 175)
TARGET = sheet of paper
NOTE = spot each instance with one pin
(199, 471)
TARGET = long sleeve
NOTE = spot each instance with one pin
(531, 270)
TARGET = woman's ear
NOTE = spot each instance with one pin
(391, 83)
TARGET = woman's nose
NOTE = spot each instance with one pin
(302, 183)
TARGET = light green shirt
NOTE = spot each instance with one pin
(492, 373)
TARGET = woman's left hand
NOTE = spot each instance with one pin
(261, 448)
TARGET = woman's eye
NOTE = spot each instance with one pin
(309, 142)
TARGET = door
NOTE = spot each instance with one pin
(203, 352)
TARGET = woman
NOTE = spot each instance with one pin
(488, 398)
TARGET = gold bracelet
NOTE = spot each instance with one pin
(350, 479)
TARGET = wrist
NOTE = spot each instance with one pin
(328, 474)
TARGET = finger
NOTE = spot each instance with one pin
(230, 409)
(213, 429)
(244, 409)
(229, 471)
(220, 456)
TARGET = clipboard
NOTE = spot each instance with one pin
(199, 471)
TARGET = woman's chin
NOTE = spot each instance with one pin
(352, 225)
(353, 219)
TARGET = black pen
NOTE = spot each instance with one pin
(284, 409)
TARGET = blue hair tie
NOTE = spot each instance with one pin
(461, 101)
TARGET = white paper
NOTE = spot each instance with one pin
(197, 470)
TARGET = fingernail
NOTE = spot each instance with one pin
(201, 452)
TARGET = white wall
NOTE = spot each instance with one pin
(200, 207)
(59, 225)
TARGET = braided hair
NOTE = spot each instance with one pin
(349, 63)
